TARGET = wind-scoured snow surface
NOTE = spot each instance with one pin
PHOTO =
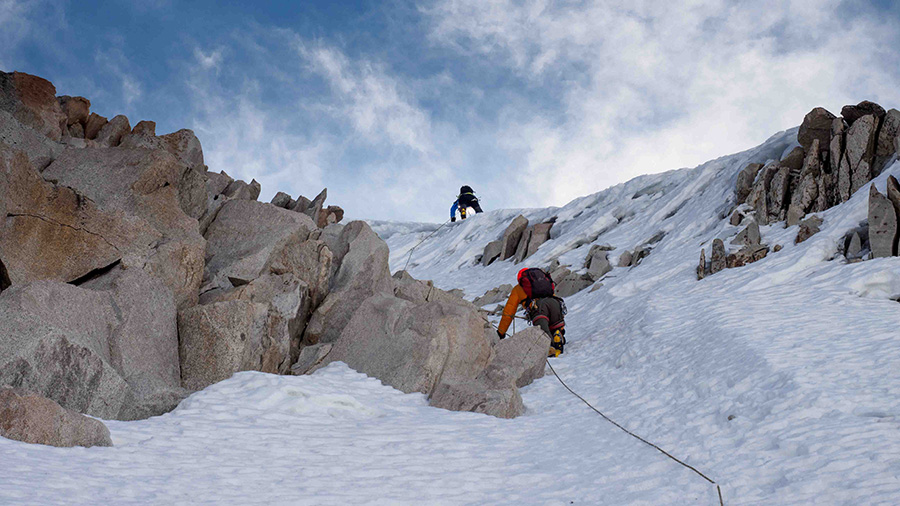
(779, 380)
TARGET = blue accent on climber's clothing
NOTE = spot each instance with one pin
(453, 208)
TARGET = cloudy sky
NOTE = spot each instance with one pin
(394, 104)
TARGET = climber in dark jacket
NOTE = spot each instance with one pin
(464, 200)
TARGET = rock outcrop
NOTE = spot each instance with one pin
(518, 240)
(103, 253)
(837, 156)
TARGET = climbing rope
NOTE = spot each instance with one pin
(639, 438)
(420, 243)
(610, 420)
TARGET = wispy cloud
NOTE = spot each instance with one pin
(377, 105)
(653, 85)
(114, 62)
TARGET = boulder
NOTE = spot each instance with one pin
(702, 269)
(890, 130)
(216, 183)
(492, 251)
(32, 102)
(518, 360)
(41, 151)
(75, 131)
(882, 224)
(31, 418)
(758, 197)
(779, 191)
(185, 147)
(494, 295)
(749, 236)
(128, 319)
(282, 200)
(314, 210)
(854, 245)
(333, 215)
(112, 132)
(53, 232)
(816, 125)
(745, 180)
(893, 194)
(413, 347)
(145, 128)
(509, 241)
(522, 248)
(806, 191)
(794, 160)
(244, 239)
(76, 109)
(239, 190)
(808, 228)
(311, 261)
(597, 262)
(143, 343)
(746, 255)
(301, 204)
(61, 364)
(363, 271)
(858, 155)
(312, 358)
(142, 187)
(94, 124)
(572, 283)
(222, 338)
(272, 347)
(539, 235)
(851, 113)
(477, 396)
(625, 259)
(718, 259)
(408, 288)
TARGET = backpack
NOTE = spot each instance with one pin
(536, 283)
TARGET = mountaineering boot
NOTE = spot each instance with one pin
(462, 213)
(556, 344)
(553, 352)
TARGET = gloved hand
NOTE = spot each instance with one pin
(452, 219)
(501, 335)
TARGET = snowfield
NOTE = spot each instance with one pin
(779, 380)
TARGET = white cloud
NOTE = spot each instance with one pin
(375, 103)
(115, 63)
(208, 61)
(652, 85)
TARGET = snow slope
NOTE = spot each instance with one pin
(778, 380)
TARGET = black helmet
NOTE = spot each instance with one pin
(466, 189)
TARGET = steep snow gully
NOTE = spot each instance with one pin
(777, 379)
